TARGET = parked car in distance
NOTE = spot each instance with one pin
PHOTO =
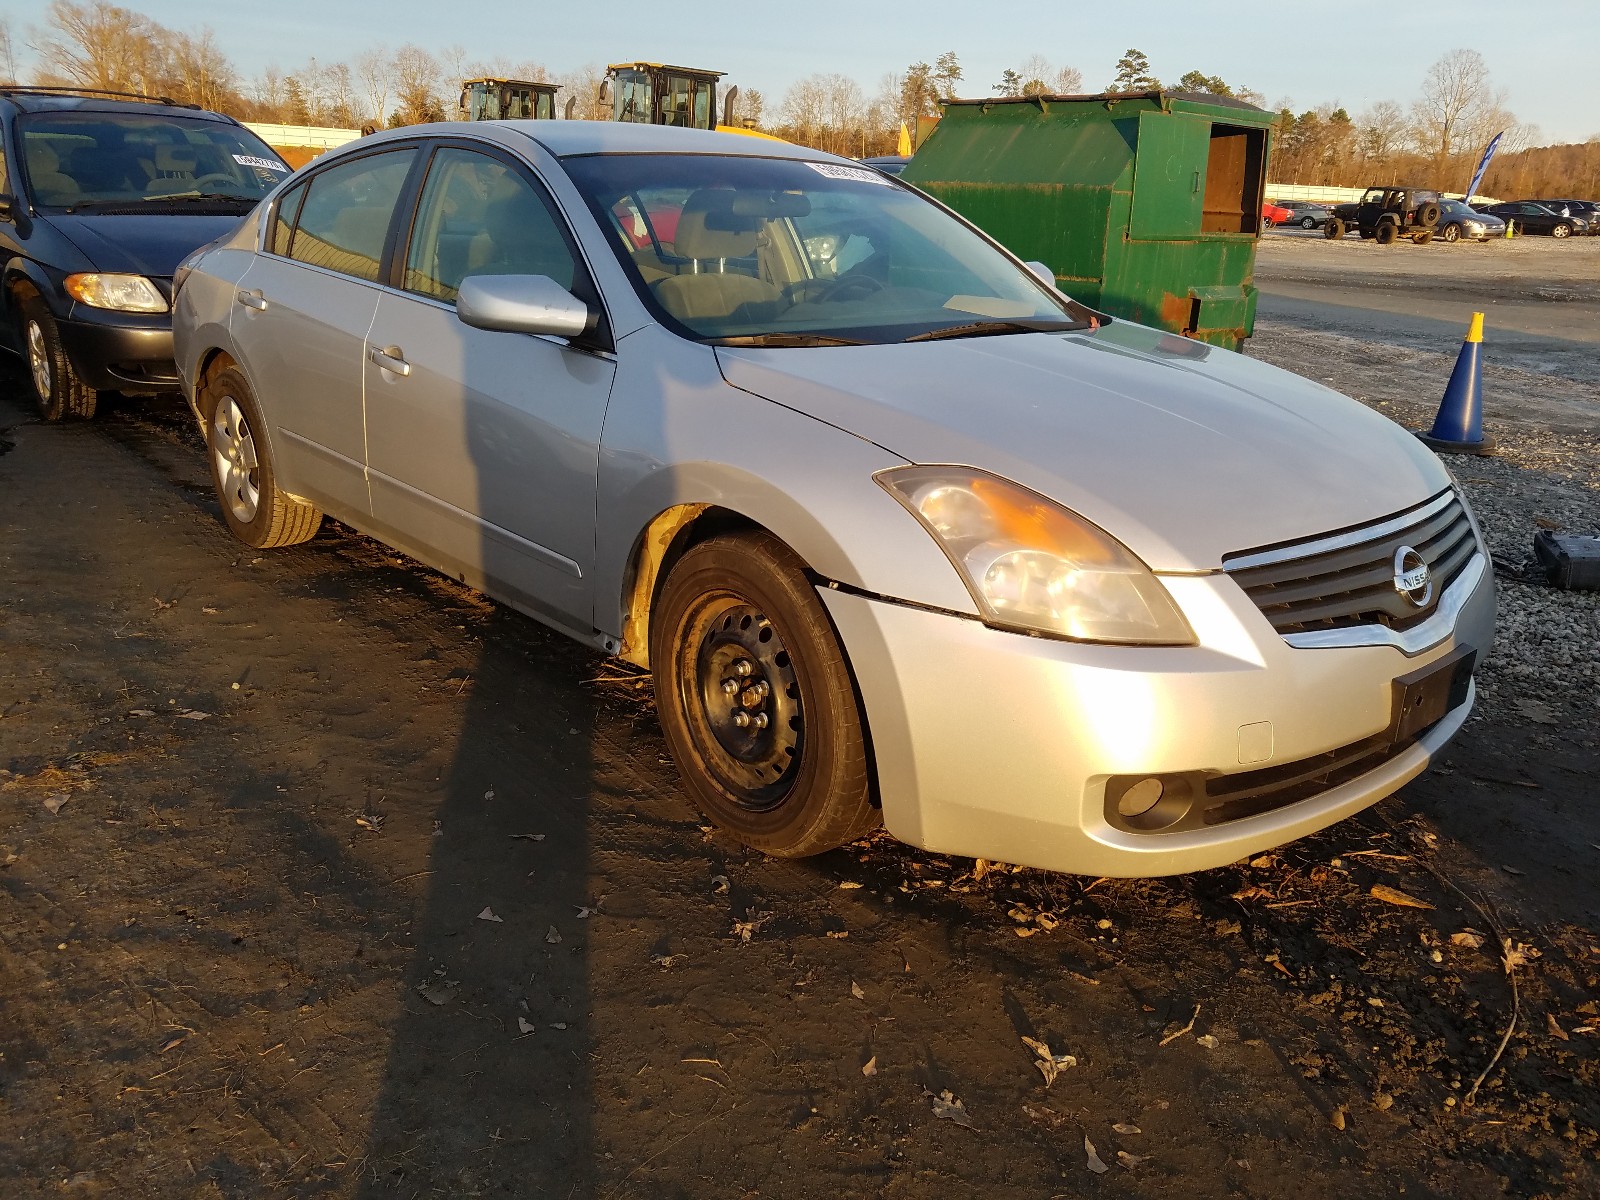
(902, 532)
(1589, 210)
(1307, 214)
(1458, 220)
(1386, 214)
(889, 164)
(1536, 218)
(103, 196)
(1273, 213)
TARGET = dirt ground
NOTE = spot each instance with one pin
(324, 877)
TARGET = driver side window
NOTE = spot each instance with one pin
(478, 216)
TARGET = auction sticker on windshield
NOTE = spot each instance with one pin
(858, 174)
(255, 160)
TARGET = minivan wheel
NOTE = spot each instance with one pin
(57, 389)
(255, 509)
(756, 700)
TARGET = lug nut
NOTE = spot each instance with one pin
(760, 720)
(742, 718)
(730, 686)
(743, 667)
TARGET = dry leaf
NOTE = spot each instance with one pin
(855, 990)
(1050, 1065)
(437, 992)
(1095, 1163)
(55, 803)
(665, 961)
(528, 837)
(525, 1026)
(141, 712)
(1127, 1129)
(947, 1106)
(489, 795)
(1555, 1028)
(1517, 954)
(372, 821)
(553, 936)
(1206, 1040)
(1471, 939)
(746, 929)
(1391, 895)
(719, 885)
(1336, 1117)
(1130, 1161)
(488, 915)
(849, 885)
(173, 1042)
(194, 714)
(870, 1067)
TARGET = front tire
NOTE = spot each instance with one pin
(259, 513)
(1334, 229)
(1561, 231)
(57, 389)
(756, 700)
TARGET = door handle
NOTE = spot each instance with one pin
(253, 300)
(390, 358)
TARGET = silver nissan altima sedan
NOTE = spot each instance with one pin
(903, 533)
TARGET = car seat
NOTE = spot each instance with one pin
(710, 232)
(50, 184)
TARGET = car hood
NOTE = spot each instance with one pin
(143, 243)
(1183, 451)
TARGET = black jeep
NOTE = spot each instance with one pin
(1387, 214)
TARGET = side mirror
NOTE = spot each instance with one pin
(604, 95)
(523, 304)
(1042, 273)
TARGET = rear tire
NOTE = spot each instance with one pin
(1308, 222)
(57, 388)
(1386, 234)
(756, 699)
(258, 512)
(1450, 233)
(1561, 231)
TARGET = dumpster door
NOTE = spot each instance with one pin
(1169, 176)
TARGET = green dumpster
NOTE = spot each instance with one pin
(1144, 204)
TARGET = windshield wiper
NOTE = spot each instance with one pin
(990, 328)
(210, 196)
(787, 339)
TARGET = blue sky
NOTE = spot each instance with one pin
(1550, 67)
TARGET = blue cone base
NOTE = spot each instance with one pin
(1484, 445)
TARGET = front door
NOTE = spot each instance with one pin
(483, 447)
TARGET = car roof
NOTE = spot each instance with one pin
(564, 138)
(31, 101)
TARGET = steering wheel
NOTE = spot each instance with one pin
(825, 291)
(215, 177)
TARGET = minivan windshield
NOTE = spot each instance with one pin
(784, 252)
(82, 160)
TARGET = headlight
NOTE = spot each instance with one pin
(1032, 565)
(124, 293)
(1474, 226)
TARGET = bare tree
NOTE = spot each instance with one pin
(582, 85)
(375, 72)
(96, 45)
(8, 54)
(416, 87)
(1459, 108)
(1039, 77)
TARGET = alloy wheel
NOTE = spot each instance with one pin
(233, 451)
(39, 360)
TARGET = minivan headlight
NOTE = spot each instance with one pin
(1035, 566)
(123, 293)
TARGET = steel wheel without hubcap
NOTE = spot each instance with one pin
(741, 690)
(39, 359)
(233, 451)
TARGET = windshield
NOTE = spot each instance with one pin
(1455, 208)
(100, 159)
(750, 248)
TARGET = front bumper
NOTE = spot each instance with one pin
(997, 745)
(127, 352)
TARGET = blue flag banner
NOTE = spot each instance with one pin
(1483, 163)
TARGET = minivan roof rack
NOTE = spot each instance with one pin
(10, 90)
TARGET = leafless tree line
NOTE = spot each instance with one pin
(1436, 140)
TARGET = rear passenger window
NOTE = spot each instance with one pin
(478, 216)
(346, 214)
(283, 216)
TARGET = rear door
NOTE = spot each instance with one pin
(484, 447)
(301, 315)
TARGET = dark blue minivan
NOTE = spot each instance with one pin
(101, 197)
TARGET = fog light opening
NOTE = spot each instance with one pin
(1140, 798)
(1149, 803)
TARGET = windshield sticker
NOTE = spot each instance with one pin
(855, 174)
(253, 160)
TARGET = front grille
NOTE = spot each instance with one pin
(1345, 578)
